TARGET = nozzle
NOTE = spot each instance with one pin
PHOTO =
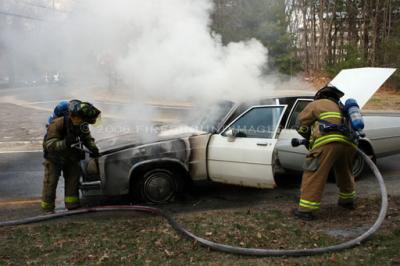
(297, 142)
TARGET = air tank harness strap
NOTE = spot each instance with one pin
(326, 127)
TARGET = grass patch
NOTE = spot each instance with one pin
(375, 100)
(120, 239)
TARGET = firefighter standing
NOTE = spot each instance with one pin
(62, 153)
(322, 123)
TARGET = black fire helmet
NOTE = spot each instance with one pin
(85, 110)
(329, 92)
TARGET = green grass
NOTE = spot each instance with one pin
(375, 100)
(116, 239)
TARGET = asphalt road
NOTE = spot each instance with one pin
(21, 176)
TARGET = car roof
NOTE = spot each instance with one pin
(272, 97)
(290, 93)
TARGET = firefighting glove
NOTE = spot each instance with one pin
(71, 140)
(94, 153)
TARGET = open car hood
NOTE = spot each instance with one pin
(361, 83)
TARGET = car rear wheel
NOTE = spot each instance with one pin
(359, 166)
(158, 186)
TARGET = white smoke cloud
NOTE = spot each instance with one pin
(172, 52)
(156, 48)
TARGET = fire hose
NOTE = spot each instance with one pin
(228, 248)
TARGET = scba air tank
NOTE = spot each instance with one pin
(352, 111)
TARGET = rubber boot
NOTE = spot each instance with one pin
(306, 216)
(349, 205)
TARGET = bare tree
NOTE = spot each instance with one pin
(345, 33)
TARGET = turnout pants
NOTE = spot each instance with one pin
(71, 174)
(317, 165)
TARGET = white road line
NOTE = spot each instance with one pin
(157, 105)
(21, 142)
(95, 101)
(27, 151)
(54, 101)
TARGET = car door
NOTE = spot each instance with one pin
(243, 153)
(292, 157)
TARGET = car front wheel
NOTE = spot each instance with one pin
(158, 186)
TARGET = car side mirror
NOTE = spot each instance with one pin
(230, 134)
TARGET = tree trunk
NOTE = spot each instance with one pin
(375, 34)
(304, 8)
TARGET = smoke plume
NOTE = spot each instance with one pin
(155, 48)
(139, 50)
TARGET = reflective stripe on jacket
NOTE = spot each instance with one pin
(326, 110)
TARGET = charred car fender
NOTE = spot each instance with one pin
(158, 163)
(119, 166)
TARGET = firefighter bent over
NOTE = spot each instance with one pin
(63, 153)
(322, 123)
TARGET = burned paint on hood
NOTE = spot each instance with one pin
(133, 140)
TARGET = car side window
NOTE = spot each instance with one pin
(258, 122)
(300, 105)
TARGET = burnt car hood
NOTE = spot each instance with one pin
(121, 142)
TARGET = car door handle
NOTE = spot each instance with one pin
(262, 143)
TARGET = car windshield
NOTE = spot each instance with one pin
(208, 118)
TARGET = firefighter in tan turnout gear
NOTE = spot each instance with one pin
(322, 123)
(63, 152)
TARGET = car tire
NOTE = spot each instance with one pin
(157, 186)
(359, 166)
